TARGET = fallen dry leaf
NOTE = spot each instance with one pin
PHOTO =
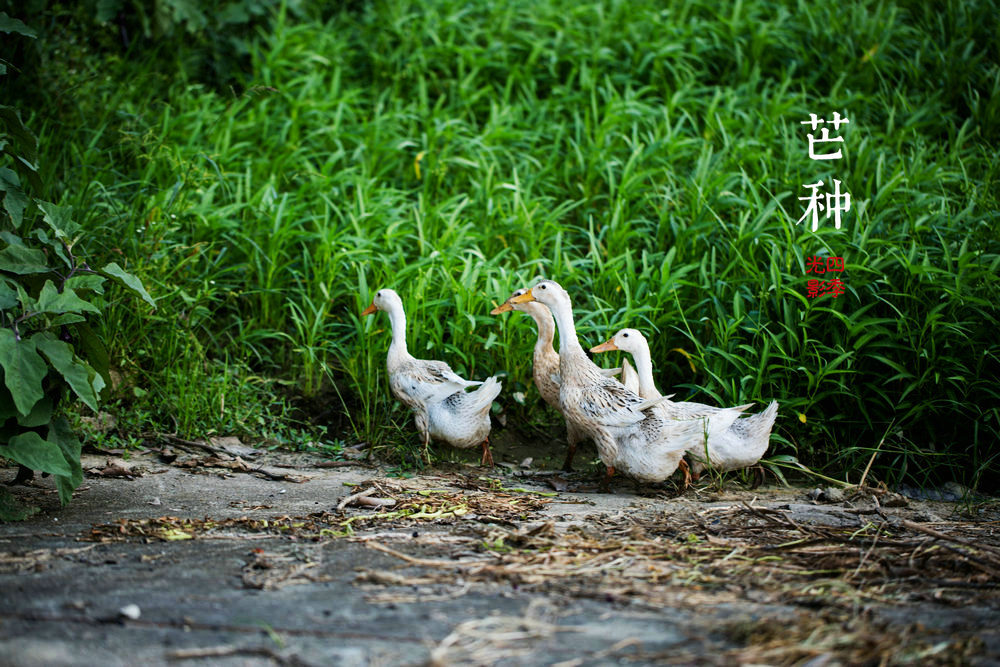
(115, 469)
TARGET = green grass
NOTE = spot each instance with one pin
(648, 156)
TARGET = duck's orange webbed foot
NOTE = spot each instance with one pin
(487, 458)
(686, 469)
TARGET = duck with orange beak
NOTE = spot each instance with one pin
(727, 440)
(630, 436)
(545, 364)
(442, 408)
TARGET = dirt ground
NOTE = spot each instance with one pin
(221, 556)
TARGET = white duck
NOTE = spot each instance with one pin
(734, 441)
(442, 409)
(545, 365)
(629, 435)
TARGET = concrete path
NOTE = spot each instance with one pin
(465, 566)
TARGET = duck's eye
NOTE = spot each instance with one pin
(624, 335)
(378, 295)
(541, 287)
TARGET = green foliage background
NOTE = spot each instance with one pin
(646, 155)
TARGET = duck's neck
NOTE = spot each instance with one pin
(644, 368)
(569, 345)
(397, 321)
(546, 329)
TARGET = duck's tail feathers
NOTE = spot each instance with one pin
(758, 427)
(487, 391)
(767, 416)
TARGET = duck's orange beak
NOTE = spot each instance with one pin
(522, 298)
(502, 308)
(605, 347)
(369, 310)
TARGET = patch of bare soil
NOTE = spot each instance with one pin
(463, 565)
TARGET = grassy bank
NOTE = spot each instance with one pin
(649, 158)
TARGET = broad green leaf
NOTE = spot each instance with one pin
(57, 246)
(52, 301)
(61, 434)
(40, 415)
(9, 24)
(90, 281)
(31, 451)
(60, 219)
(66, 318)
(12, 239)
(25, 140)
(29, 170)
(92, 348)
(15, 201)
(112, 270)
(28, 304)
(25, 168)
(23, 370)
(75, 371)
(22, 260)
(8, 295)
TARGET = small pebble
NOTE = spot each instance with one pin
(130, 611)
(827, 495)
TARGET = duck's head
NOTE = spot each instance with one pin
(626, 340)
(548, 292)
(385, 299)
(508, 305)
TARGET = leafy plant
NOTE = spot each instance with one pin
(47, 292)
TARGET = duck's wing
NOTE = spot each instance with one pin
(715, 424)
(609, 403)
(689, 410)
(439, 371)
(430, 381)
(670, 434)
